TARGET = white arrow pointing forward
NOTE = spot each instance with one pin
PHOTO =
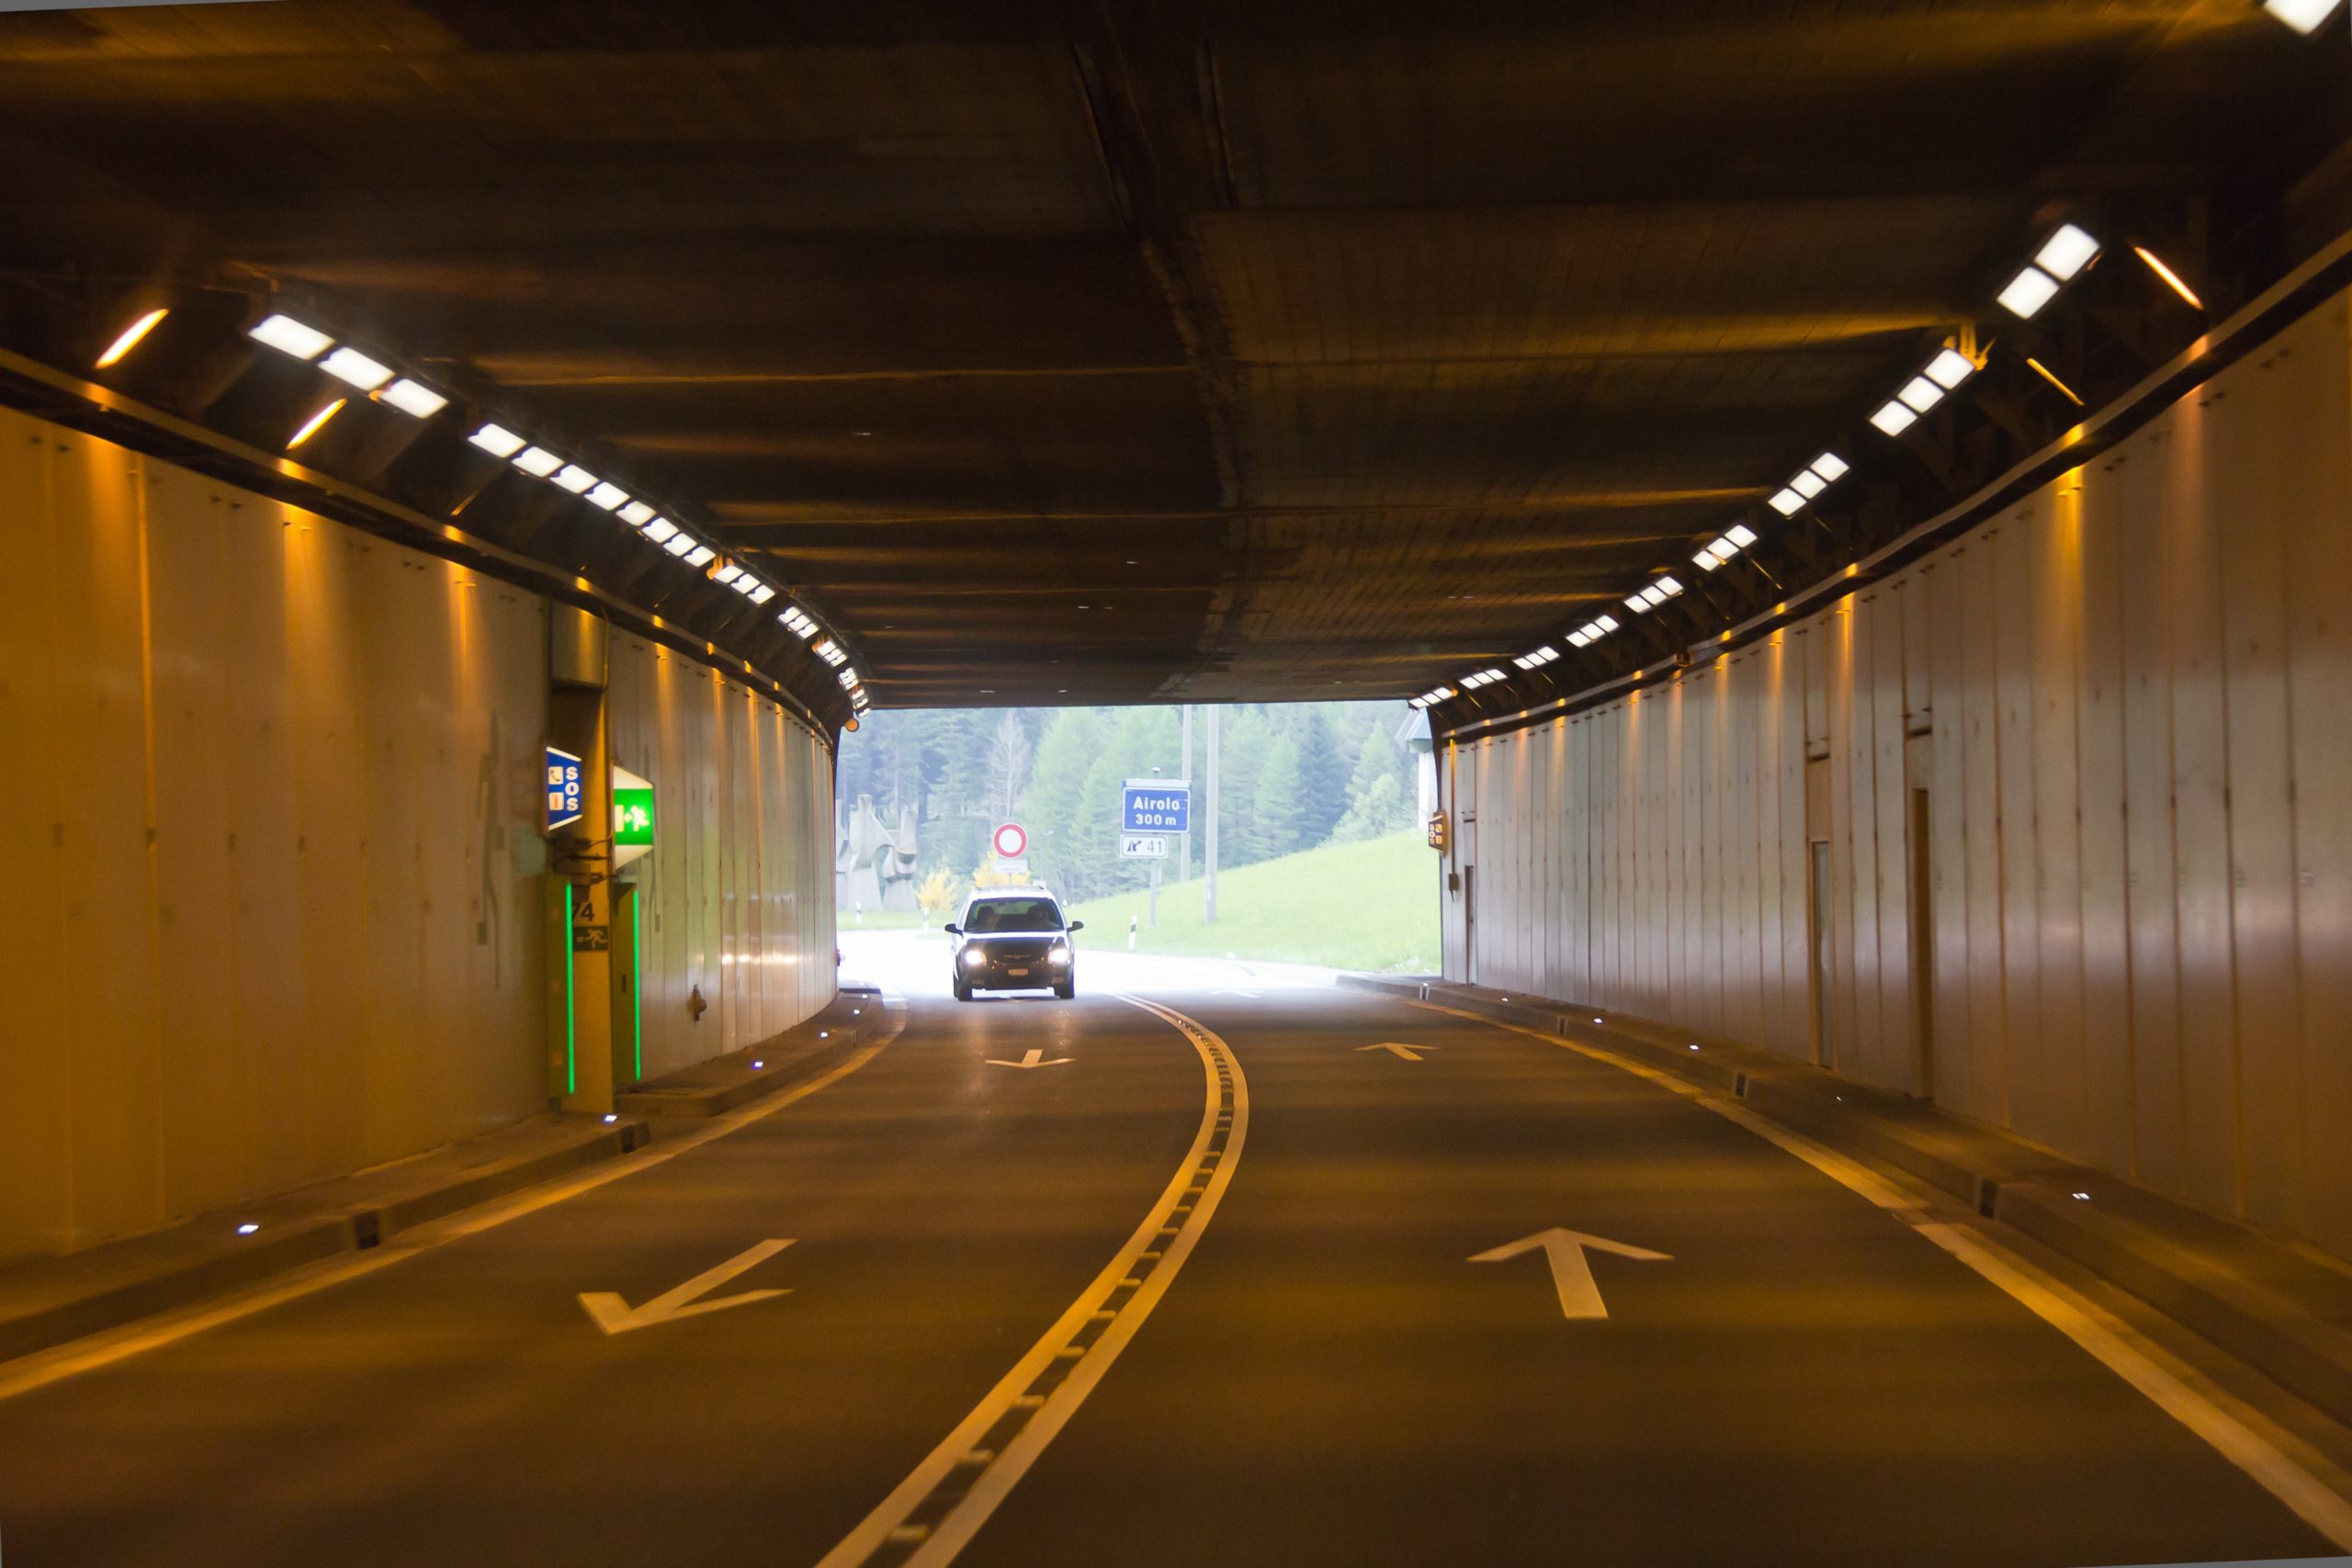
(1579, 1297)
(1036, 1058)
(1410, 1052)
(615, 1315)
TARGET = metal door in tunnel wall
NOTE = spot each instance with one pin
(1822, 971)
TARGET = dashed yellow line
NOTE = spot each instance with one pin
(935, 1511)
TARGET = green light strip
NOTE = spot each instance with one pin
(570, 1009)
(636, 981)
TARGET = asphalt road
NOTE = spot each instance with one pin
(1196, 1301)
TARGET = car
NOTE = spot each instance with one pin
(1013, 939)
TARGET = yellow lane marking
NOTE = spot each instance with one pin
(935, 1511)
(2317, 1490)
(45, 1367)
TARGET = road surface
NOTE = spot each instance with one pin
(1267, 1272)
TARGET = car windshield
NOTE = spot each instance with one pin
(1013, 915)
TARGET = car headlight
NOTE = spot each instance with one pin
(974, 958)
(1057, 955)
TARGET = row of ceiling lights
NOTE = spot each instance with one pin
(366, 374)
(2061, 258)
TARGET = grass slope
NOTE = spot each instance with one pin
(1366, 905)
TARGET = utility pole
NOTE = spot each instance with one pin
(1184, 772)
(1153, 900)
(1209, 900)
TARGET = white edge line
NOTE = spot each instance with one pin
(2311, 1485)
(106, 1346)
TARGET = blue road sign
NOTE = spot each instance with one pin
(1153, 806)
(562, 789)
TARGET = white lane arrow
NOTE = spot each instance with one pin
(1410, 1052)
(1579, 1297)
(615, 1315)
(1036, 1058)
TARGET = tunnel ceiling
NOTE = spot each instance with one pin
(1159, 351)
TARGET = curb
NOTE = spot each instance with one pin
(232, 1264)
(746, 1085)
(2125, 1234)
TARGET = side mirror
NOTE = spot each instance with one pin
(1075, 926)
(953, 930)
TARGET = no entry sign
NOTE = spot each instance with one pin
(1011, 842)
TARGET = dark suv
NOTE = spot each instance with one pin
(1014, 941)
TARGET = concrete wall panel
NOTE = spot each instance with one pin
(2121, 697)
(271, 802)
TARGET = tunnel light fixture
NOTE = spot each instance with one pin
(1482, 678)
(700, 555)
(661, 530)
(1830, 466)
(763, 593)
(1895, 419)
(724, 571)
(1950, 368)
(413, 398)
(1636, 602)
(2067, 253)
(247, 1228)
(637, 514)
(2304, 16)
(496, 440)
(1667, 586)
(680, 544)
(2028, 292)
(1578, 637)
(1706, 559)
(849, 679)
(798, 621)
(1537, 660)
(350, 366)
(2044, 371)
(1808, 484)
(132, 335)
(315, 424)
(576, 480)
(1786, 502)
(1606, 623)
(606, 495)
(288, 335)
(1920, 394)
(744, 582)
(1654, 595)
(2172, 279)
(538, 462)
(829, 651)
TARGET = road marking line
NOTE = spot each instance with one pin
(45, 1367)
(2312, 1486)
(1067, 1371)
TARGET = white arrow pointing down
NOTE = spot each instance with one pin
(615, 1315)
(1580, 1296)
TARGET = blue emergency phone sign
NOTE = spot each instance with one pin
(1156, 806)
(563, 787)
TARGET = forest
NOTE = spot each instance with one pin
(1294, 776)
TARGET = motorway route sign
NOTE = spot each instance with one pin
(562, 789)
(1142, 846)
(1009, 841)
(1156, 806)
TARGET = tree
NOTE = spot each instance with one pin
(1374, 814)
(1056, 785)
(1281, 805)
(1323, 776)
(1006, 769)
(937, 892)
(1241, 840)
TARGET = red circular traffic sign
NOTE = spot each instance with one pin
(1012, 843)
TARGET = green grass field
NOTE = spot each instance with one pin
(1371, 905)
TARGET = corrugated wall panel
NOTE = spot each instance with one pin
(2121, 697)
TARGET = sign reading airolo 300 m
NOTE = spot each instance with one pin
(1156, 806)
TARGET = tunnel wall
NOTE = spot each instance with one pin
(270, 804)
(2080, 789)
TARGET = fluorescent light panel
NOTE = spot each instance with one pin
(637, 514)
(1895, 419)
(1921, 394)
(288, 335)
(575, 479)
(661, 530)
(700, 555)
(606, 495)
(1950, 368)
(2028, 292)
(1740, 534)
(1786, 502)
(131, 337)
(351, 366)
(413, 398)
(2065, 253)
(679, 543)
(538, 462)
(2304, 16)
(1808, 484)
(497, 440)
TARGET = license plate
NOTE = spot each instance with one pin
(1017, 974)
